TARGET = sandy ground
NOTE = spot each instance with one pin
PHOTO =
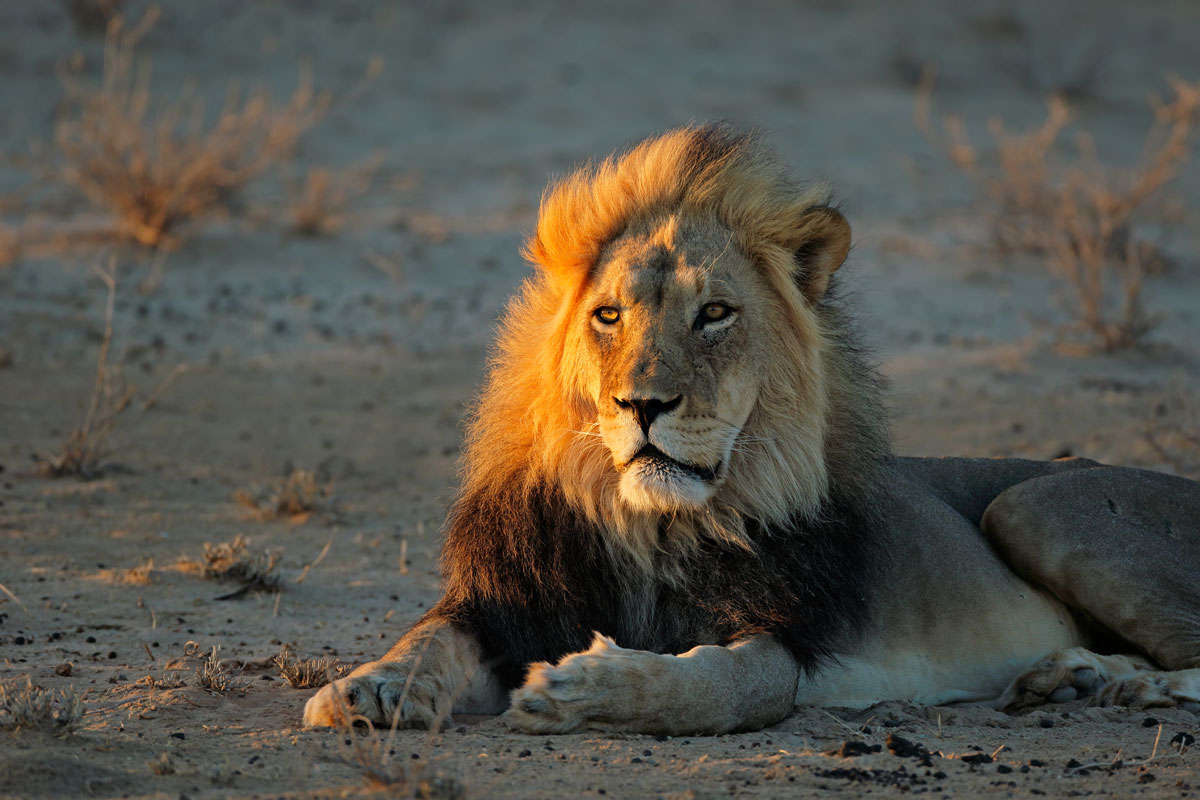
(303, 353)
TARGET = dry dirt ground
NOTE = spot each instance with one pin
(355, 354)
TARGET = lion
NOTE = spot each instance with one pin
(680, 513)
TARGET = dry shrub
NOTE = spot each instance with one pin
(233, 561)
(214, 676)
(301, 493)
(10, 246)
(24, 706)
(159, 163)
(308, 673)
(85, 446)
(1081, 214)
(92, 16)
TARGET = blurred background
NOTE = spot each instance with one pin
(353, 180)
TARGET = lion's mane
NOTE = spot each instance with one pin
(539, 530)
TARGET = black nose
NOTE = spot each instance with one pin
(647, 409)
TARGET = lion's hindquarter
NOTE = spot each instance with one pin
(950, 621)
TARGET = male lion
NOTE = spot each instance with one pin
(680, 515)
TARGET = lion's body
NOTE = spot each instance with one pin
(681, 448)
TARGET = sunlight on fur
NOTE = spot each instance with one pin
(536, 420)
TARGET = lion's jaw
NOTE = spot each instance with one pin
(655, 482)
(672, 389)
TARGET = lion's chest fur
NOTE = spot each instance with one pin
(533, 581)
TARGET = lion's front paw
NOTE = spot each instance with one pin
(597, 688)
(375, 692)
(1155, 690)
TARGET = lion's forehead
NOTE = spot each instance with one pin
(669, 264)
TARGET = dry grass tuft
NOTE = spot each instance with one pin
(141, 575)
(233, 561)
(301, 493)
(159, 163)
(372, 753)
(1082, 214)
(318, 203)
(24, 706)
(214, 676)
(1174, 431)
(163, 683)
(370, 750)
(308, 673)
(85, 446)
(163, 765)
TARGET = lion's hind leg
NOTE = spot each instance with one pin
(1121, 547)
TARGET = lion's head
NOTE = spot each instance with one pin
(674, 364)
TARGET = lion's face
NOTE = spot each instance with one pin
(675, 331)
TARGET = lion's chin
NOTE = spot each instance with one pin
(647, 486)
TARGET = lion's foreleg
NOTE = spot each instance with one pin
(433, 670)
(707, 690)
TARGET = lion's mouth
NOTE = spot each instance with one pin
(653, 457)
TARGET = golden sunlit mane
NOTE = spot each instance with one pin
(535, 425)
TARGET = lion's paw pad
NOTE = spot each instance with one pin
(1076, 683)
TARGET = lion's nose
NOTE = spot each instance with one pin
(646, 409)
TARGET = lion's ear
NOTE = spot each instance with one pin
(819, 246)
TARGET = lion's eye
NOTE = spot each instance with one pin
(713, 312)
(607, 314)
